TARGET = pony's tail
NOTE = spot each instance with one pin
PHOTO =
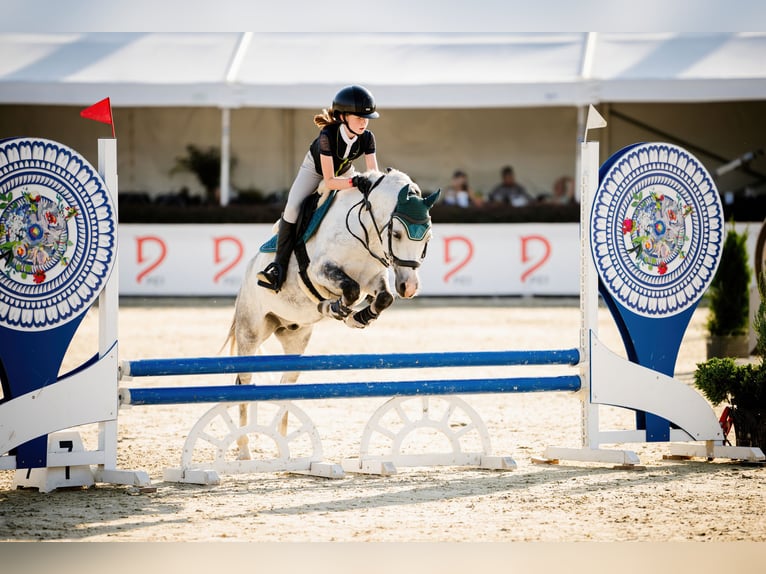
(231, 338)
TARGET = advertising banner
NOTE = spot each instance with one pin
(462, 259)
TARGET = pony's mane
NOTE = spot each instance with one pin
(399, 178)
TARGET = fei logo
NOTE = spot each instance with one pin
(223, 248)
(459, 252)
(152, 251)
(535, 250)
(158, 257)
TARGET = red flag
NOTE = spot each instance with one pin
(101, 112)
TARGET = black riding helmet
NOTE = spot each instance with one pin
(354, 100)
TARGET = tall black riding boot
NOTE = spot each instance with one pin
(274, 275)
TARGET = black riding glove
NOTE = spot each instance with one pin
(362, 184)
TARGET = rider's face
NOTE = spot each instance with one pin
(357, 124)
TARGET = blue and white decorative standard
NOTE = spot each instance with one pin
(652, 221)
(58, 248)
(657, 229)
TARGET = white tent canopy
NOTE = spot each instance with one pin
(404, 70)
(433, 70)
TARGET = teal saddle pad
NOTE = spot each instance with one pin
(308, 230)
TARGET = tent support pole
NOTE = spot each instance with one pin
(225, 155)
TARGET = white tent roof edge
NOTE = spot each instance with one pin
(409, 71)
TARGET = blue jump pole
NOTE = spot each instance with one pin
(281, 363)
(245, 393)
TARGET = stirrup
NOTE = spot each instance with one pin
(271, 277)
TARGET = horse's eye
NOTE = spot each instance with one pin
(397, 235)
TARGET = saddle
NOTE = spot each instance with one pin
(313, 210)
(311, 215)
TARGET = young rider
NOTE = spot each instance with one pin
(343, 138)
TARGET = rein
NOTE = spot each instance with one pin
(363, 204)
(386, 258)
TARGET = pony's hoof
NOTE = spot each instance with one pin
(333, 309)
(243, 452)
(353, 323)
(361, 319)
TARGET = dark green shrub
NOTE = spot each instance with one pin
(719, 378)
(742, 386)
(729, 291)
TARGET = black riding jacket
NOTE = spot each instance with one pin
(330, 142)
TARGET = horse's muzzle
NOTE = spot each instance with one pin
(407, 284)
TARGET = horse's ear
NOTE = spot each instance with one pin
(403, 194)
(431, 199)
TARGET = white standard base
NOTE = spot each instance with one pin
(71, 466)
(50, 478)
(711, 451)
(369, 466)
(496, 462)
(402, 420)
(387, 466)
(323, 470)
(192, 476)
(126, 477)
(246, 439)
(620, 457)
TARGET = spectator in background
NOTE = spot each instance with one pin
(563, 192)
(509, 190)
(460, 192)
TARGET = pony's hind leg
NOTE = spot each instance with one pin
(294, 340)
(248, 338)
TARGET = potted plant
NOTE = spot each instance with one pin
(729, 300)
(741, 386)
(206, 165)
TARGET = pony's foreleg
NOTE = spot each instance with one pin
(350, 289)
(362, 318)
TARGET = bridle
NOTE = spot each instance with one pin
(386, 259)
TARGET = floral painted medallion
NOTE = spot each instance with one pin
(657, 229)
(58, 234)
